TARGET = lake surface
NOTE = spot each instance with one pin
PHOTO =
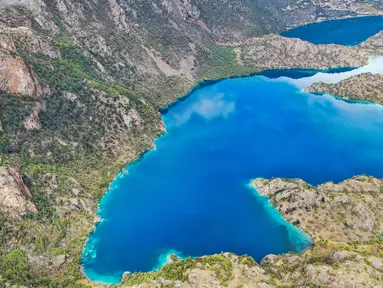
(190, 195)
(348, 32)
(301, 73)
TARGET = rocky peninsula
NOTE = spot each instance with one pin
(364, 87)
(343, 212)
(277, 52)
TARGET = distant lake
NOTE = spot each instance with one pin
(190, 195)
(348, 32)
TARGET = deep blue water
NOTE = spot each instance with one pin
(190, 195)
(300, 73)
(348, 32)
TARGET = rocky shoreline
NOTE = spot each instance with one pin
(343, 212)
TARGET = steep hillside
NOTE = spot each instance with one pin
(82, 83)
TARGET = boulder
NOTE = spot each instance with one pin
(269, 259)
(58, 261)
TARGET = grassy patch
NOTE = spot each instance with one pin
(220, 62)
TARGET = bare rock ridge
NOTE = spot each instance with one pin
(276, 52)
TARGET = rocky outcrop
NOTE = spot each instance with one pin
(58, 261)
(181, 9)
(118, 14)
(14, 194)
(6, 43)
(71, 11)
(132, 118)
(32, 122)
(16, 76)
(343, 212)
(365, 87)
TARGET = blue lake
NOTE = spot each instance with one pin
(190, 195)
(300, 73)
(349, 31)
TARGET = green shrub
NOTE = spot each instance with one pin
(15, 266)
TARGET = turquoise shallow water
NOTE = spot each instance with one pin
(190, 195)
(349, 32)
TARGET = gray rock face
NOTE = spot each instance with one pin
(6, 43)
(16, 77)
(376, 262)
(32, 122)
(14, 195)
(269, 259)
(58, 261)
